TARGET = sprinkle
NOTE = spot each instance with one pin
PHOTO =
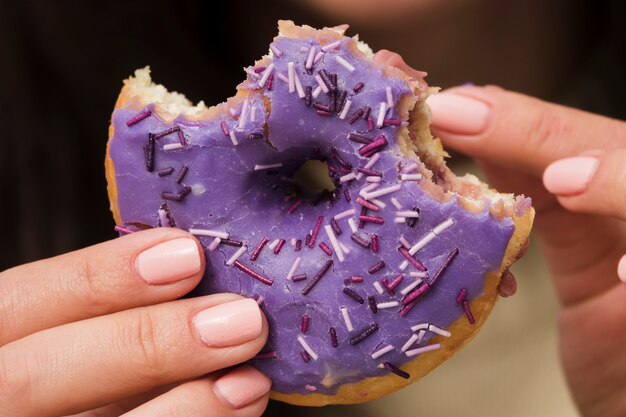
(310, 387)
(150, 153)
(370, 123)
(355, 116)
(389, 97)
(410, 287)
(410, 177)
(346, 319)
(381, 114)
(309, 61)
(392, 122)
(410, 168)
(397, 370)
(258, 69)
(357, 87)
(224, 127)
(308, 95)
(335, 227)
(279, 246)
(347, 177)
(424, 349)
(211, 233)
(266, 75)
(292, 77)
(388, 304)
(439, 331)
(461, 297)
(358, 138)
(330, 46)
(165, 171)
(346, 194)
(341, 102)
(316, 230)
(317, 277)
(396, 281)
(304, 326)
(381, 192)
(236, 255)
(321, 83)
(367, 204)
(276, 51)
(372, 302)
(214, 244)
(306, 347)
(317, 91)
(416, 293)
(416, 263)
(443, 226)
(345, 63)
(420, 336)
(421, 326)
(374, 147)
(181, 138)
(378, 287)
(376, 267)
(305, 356)
(333, 241)
(266, 355)
(378, 203)
(173, 146)
(327, 81)
(408, 213)
(324, 247)
(299, 277)
(258, 249)
(366, 113)
(409, 343)
(333, 337)
(382, 351)
(283, 78)
(293, 268)
(138, 118)
(396, 203)
(181, 174)
(404, 242)
(367, 332)
(451, 256)
(369, 164)
(230, 242)
(372, 219)
(352, 294)
(374, 243)
(294, 206)
(468, 312)
(298, 245)
(273, 245)
(344, 248)
(356, 278)
(352, 225)
(307, 240)
(370, 173)
(258, 167)
(233, 138)
(256, 275)
(360, 240)
(166, 132)
(123, 229)
(301, 93)
(345, 110)
(418, 274)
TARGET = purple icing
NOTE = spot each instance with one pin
(227, 194)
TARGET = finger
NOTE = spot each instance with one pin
(139, 269)
(385, 57)
(511, 129)
(242, 392)
(87, 364)
(594, 184)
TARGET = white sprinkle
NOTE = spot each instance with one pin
(321, 83)
(379, 288)
(260, 300)
(346, 319)
(389, 97)
(304, 48)
(344, 248)
(369, 188)
(381, 114)
(236, 255)
(409, 343)
(165, 222)
(410, 287)
(382, 191)
(439, 331)
(232, 111)
(381, 352)
(373, 178)
(417, 351)
(421, 326)
(259, 167)
(345, 63)
(418, 274)
(369, 164)
(346, 108)
(352, 225)
(266, 75)
(318, 57)
(443, 226)
(334, 242)
(211, 233)
(299, 87)
(408, 213)
(399, 220)
(273, 245)
(396, 203)
(283, 77)
(232, 136)
(173, 146)
(293, 268)
(251, 72)
(343, 214)
(330, 46)
(404, 242)
(292, 77)
(309, 60)
(410, 168)
(214, 244)
(253, 114)
(388, 304)
(244, 114)
(378, 203)
(317, 91)
(276, 51)
(347, 177)
(306, 347)
(420, 336)
(293, 241)
(410, 177)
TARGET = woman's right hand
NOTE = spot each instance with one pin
(100, 332)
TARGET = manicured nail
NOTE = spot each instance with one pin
(621, 269)
(569, 176)
(229, 324)
(458, 114)
(242, 385)
(169, 261)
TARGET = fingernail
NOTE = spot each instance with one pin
(229, 324)
(458, 114)
(241, 386)
(621, 269)
(169, 261)
(570, 175)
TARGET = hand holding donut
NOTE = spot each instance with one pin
(581, 208)
(98, 329)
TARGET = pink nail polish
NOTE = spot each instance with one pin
(229, 324)
(458, 114)
(241, 386)
(570, 176)
(621, 269)
(169, 261)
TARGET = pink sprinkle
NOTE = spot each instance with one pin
(316, 231)
(270, 81)
(376, 267)
(356, 278)
(367, 204)
(333, 337)
(295, 205)
(279, 246)
(265, 355)
(258, 249)
(396, 281)
(386, 285)
(416, 293)
(394, 122)
(417, 264)
(305, 356)
(461, 297)
(225, 128)
(305, 324)
(468, 312)
(375, 243)
(138, 118)
(370, 123)
(122, 229)
(408, 307)
(372, 219)
(310, 387)
(258, 70)
(324, 247)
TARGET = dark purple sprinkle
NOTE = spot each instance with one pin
(416, 263)
(138, 118)
(231, 242)
(370, 123)
(323, 113)
(165, 171)
(453, 254)
(168, 214)
(331, 169)
(357, 87)
(468, 312)
(150, 152)
(266, 355)
(346, 194)
(186, 190)
(356, 278)
(372, 219)
(327, 80)
(171, 196)
(374, 147)
(324, 247)
(224, 128)
(355, 116)
(333, 78)
(181, 174)
(259, 248)
(361, 241)
(299, 277)
(406, 308)
(255, 135)
(308, 95)
(392, 122)
(397, 370)
(333, 101)
(366, 113)
(461, 297)
(320, 106)
(365, 333)
(335, 154)
(358, 138)
(166, 132)
(376, 267)
(307, 239)
(304, 325)
(270, 82)
(316, 230)
(181, 138)
(317, 277)
(375, 243)
(333, 337)
(335, 226)
(371, 300)
(256, 275)
(363, 213)
(305, 356)
(298, 244)
(123, 229)
(352, 294)
(341, 100)
(279, 246)
(370, 172)
(295, 205)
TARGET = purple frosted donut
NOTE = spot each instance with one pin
(368, 284)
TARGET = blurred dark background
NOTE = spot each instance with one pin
(62, 64)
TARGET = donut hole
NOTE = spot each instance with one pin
(313, 175)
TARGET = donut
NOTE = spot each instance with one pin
(368, 282)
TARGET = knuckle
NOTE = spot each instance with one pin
(146, 352)
(15, 384)
(546, 127)
(89, 287)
